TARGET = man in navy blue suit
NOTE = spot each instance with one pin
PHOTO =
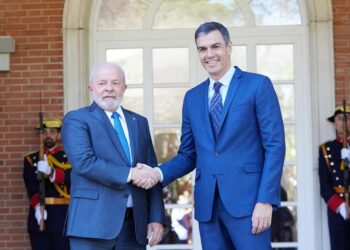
(103, 142)
(233, 136)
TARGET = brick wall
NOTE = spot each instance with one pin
(36, 70)
(341, 26)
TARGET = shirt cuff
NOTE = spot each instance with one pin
(129, 176)
(160, 173)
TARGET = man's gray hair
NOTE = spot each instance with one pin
(106, 64)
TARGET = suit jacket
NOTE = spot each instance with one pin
(99, 188)
(246, 159)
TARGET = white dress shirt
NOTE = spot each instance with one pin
(225, 80)
(126, 133)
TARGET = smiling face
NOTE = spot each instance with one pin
(214, 53)
(107, 87)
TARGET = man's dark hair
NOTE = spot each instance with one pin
(205, 28)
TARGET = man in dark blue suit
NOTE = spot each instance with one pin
(103, 142)
(233, 135)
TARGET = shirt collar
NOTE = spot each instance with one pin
(225, 79)
(52, 151)
(341, 140)
(119, 111)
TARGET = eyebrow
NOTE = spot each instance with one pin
(211, 45)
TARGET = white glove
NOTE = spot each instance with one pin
(342, 210)
(345, 153)
(43, 166)
(38, 214)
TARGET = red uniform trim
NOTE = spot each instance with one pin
(52, 151)
(334, 202)
(59, 176)
(34, 200)
(340, 139)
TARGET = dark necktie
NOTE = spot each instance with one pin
(119, 129)
(215, 109)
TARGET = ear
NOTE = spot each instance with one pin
(229, 47)
(123, 90)
(90, 87)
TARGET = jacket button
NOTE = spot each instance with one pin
(216, 154)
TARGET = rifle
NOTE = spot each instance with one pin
(40, 176)
(346, 162)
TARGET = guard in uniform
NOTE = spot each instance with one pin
(331, 173)
(56, 171)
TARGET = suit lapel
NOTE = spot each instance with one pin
(101, 116)
(234, 84)
(133, 133)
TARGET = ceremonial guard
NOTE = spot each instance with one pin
(334, 179)
(47, 182)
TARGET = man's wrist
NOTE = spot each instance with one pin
(161, 177)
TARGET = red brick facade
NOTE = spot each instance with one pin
(341, 29)
(37, 71)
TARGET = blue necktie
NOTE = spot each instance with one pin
(215, 109)
(119, 129)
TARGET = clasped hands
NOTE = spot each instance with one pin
(144, 176)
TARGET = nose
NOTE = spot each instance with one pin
(109, 87)
(210, 52)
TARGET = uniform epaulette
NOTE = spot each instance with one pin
(326, 142)
(29, 154)
(325, 154)
(30, 157)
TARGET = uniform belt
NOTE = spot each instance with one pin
(128, 213)
(339, 190)
(56, 201)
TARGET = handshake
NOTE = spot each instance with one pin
(145, 176)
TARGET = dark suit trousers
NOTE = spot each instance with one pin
(126, 239)
(48, 241)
